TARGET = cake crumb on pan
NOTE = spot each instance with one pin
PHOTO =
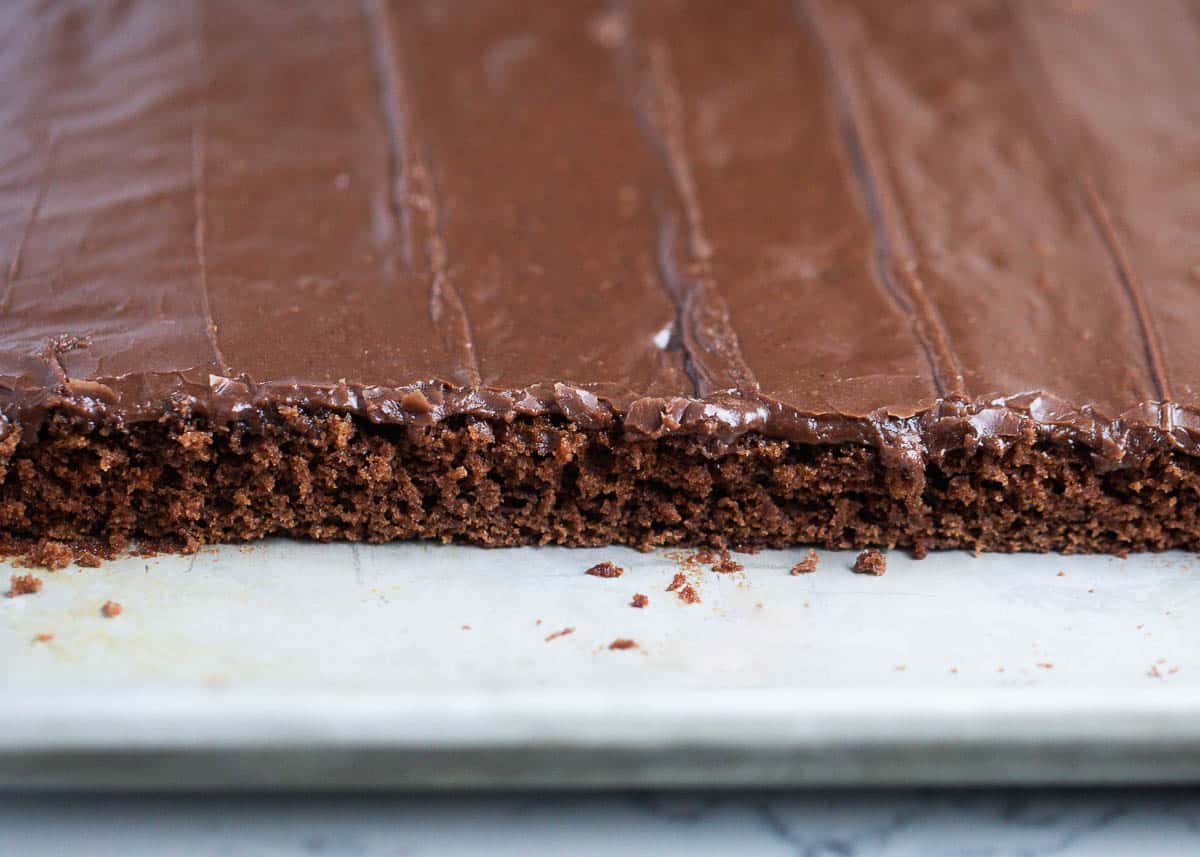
(605, 569)
(807, 565)
(871, 562)
(23, 584)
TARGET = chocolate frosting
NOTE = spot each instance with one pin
(917, 226)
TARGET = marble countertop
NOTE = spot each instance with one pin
(817, 824)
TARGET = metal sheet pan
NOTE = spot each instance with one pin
(288, 664)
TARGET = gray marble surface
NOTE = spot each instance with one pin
(961, 823)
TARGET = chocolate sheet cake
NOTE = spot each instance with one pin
(515, 272)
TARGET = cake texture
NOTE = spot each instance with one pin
(850, 274)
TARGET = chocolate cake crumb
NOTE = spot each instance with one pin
(870, 561)
(639, 600)
(54, 554)
(688, 595)
(561, 633)
(605, 569)
(807, 565)
(726, 564)
(23, 584)
(87, 559)
(43, 638)
(702, 556)
(677, 581)
(110, 609)
(621, 643)
(48, 554)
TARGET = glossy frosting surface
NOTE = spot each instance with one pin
(904, 224)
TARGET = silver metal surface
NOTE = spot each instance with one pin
(298, 665)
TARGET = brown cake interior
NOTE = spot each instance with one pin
(542, 480)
